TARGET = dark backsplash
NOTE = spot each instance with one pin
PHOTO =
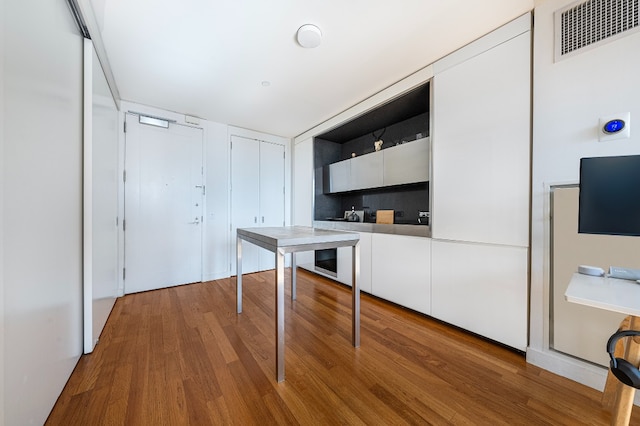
(406, 200)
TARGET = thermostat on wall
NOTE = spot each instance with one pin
(615, 127)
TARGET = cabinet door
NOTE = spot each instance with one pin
(303, 191)
(401, 270)
(366, 171)
(481, 288)
(303, 183)
(407, 163)
(344, 263)
(481, 145)
(245, 196)
(340, 176)
(271, 193)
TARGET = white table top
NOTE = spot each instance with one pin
(292, 237)
(607, 293)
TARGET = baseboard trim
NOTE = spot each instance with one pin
(572, 368)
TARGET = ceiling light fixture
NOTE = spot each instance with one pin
(309, 36)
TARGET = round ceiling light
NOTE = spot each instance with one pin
(309, 36)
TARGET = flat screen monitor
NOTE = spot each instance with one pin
(610, 195)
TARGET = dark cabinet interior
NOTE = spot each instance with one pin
(402, 120)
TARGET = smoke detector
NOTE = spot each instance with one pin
(309, 36)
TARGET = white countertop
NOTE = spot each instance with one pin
(612, 294)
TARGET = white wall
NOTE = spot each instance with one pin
(569, 97)
(42, 206)
(217, 257)
(216, 254)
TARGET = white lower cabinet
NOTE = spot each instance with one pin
(344, 263)
(481, 288)
(401, 270)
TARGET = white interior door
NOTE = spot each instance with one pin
(163, 205)
(271, 193)
(245, 197)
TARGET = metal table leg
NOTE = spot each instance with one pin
(355, 295)
(294, 274)
(280, 315)
(238, 275)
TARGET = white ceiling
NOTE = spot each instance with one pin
(208, 58)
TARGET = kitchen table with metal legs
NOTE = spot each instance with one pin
(292, 239)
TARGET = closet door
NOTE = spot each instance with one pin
(271, 193)
(245, 196)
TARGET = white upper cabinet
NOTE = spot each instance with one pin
(481, 143)
(407, 163)
(401, 164)
(366, 171)
(340, 176)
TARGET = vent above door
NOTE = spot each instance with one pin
(592, 23)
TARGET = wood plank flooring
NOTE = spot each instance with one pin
(183, 356)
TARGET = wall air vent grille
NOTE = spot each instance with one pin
(593, 22)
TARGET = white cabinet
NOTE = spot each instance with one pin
(303, 183)
(344, 263)
(406, 163)
(303, 191)
(340, 176)
(481, 288)
(402, 164)
(257, 195)
(366, 171)
(481, 146)
(401, 270)
(480, 192)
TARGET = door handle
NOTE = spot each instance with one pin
(196, 222)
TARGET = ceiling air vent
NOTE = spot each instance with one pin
(591, 23)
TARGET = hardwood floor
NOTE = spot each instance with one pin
(182, 356)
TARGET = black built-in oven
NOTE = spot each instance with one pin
(326, 261)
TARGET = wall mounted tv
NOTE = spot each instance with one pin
(610, 195)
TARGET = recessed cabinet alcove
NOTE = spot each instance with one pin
(350, 172)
